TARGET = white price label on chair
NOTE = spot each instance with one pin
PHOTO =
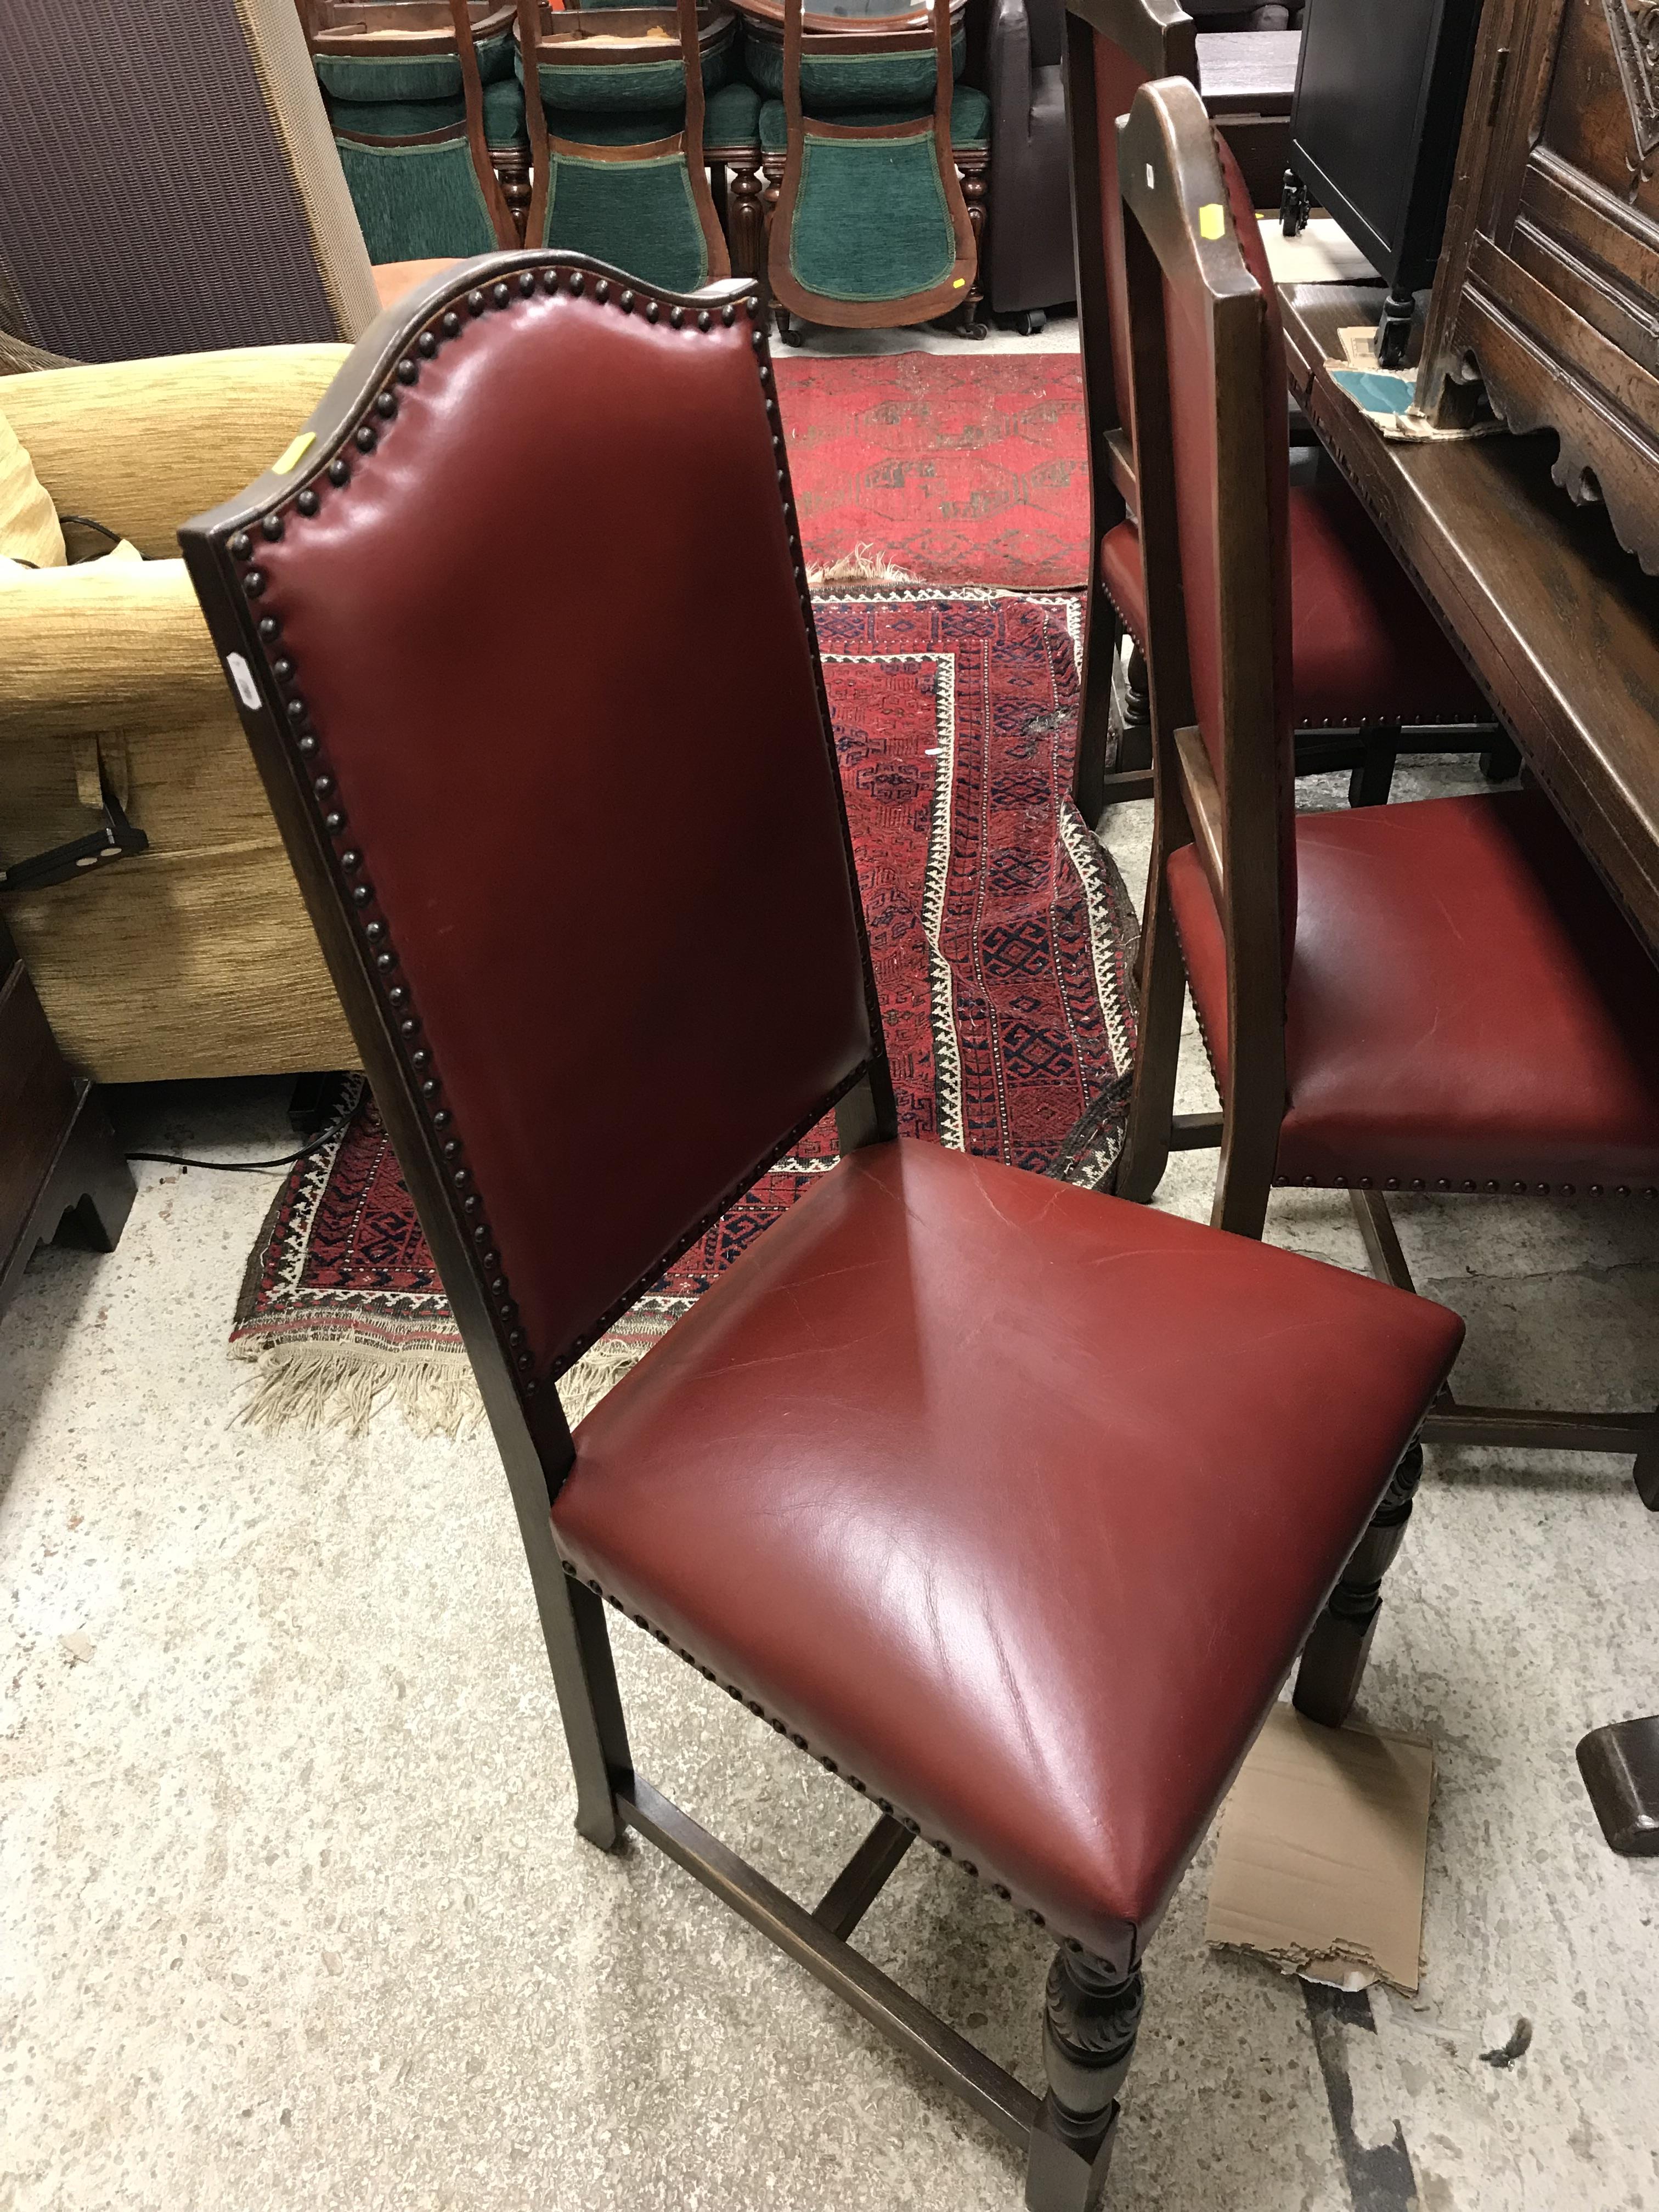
(242, 677)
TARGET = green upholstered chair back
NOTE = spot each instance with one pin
(871, 226)
(418, 92)
(842, 73)
(641, 204)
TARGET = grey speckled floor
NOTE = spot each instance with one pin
(293, 1915)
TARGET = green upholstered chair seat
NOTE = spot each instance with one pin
(417, 202)
(396, 77)
(631, 87)
(831, 84)
(731, 117)
(639, 216)
(503, 105)
(971, 119)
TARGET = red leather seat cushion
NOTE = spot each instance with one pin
(1363, 646)
(1014, 1500)
(1466, 1004)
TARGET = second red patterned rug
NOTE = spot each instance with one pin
(957, 469)
(1003, 942)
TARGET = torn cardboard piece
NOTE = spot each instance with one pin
(1324, 1840)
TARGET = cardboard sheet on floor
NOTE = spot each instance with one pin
(1324, 1836)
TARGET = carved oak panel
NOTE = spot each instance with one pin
(1549, 290)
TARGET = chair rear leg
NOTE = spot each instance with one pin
(1646, 1471)
(1502, 759)
(1333, 1659)
(1370, 783)
(1092, 2015)
(590, 1703)
(1095, 709)
(1151, 1104)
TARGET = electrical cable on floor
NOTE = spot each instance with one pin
(249, 1167)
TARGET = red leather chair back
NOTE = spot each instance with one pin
(1208, 293)
(1132, 42)
(529, 630)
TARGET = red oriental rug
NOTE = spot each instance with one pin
(1003, 941)
(955, 469)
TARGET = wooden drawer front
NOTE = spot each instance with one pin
(1560, 306)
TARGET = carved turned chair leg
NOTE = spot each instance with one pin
(1091, 2018)
(1334, 1661)
(746, 225)
(973, 172)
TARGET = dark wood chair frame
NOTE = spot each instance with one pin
(1162, 39)
(1237, 822)
(357, 40)
(956, 287)
(1093, 2005)
(695, 29)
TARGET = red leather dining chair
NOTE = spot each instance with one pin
(1371, 663)
(931, 1479)
(1433, 996)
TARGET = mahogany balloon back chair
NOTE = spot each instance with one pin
(418, 93)
(1431, 996)
(938, 1477)
(1373, 674)
(871, 226)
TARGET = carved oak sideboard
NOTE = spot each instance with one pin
(1548, 289)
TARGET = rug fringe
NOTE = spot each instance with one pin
(863, 565)
(581, 1387)
(304, 1389)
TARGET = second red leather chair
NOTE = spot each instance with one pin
(1436, 996)
(1369, 663)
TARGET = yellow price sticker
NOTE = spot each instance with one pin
(1211, 222)
(291, 456)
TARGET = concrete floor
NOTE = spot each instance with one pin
(294, 1915)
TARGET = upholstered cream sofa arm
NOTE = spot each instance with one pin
(110, 645)
(143, 444)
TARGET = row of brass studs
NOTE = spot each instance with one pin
(830, 1767)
